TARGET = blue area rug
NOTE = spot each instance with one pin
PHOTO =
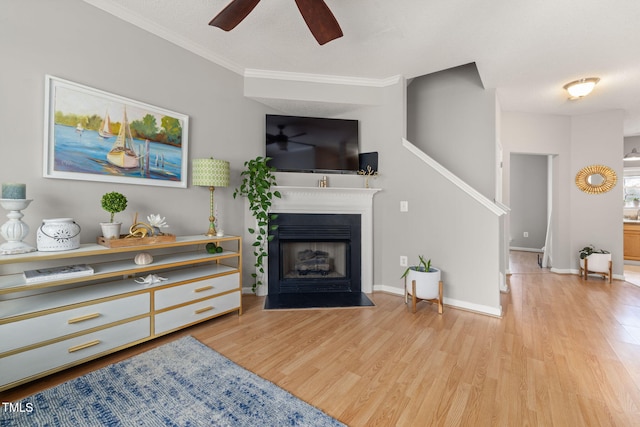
(183, 383)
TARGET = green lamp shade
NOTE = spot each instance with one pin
(210, 173)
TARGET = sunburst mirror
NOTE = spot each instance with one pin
(596, 179)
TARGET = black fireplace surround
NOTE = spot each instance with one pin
(315, 258)
(309, 237)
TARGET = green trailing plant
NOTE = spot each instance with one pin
(113, 203)
(423, 266)
(588, 250)
(257, 180)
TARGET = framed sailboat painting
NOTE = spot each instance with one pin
(93, 135)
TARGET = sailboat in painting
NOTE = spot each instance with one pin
(122, 153)
(105, 127)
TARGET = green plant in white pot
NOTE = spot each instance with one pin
(113, 203)
(423, 282)
(595, 261)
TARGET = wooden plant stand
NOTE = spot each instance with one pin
(415, 300)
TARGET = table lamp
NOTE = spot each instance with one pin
(210, 173)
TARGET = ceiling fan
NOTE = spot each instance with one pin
(321, 22)
(283, 140)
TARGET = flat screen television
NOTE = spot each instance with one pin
(311, 144)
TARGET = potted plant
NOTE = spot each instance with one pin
(113, 203)
(594, 260)
(257, 180)
(423, 282)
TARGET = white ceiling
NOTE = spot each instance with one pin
(526, 50)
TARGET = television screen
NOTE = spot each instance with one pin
(310, 144)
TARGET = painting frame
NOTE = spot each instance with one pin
(78, 153)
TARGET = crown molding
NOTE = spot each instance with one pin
(165, 33)
(173, 37)
(321, 78)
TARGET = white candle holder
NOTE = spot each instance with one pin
(14, 230)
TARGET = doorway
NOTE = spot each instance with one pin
(531, 206)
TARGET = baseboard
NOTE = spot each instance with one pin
(449, 302)
(564, 270)
(476, 308)
(577, 272)
(515, 248)
(388, 289)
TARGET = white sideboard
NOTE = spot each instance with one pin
(49, 326)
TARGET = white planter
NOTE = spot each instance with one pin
(427, 283)
(597, 263)
(427, 286)
(110, 230)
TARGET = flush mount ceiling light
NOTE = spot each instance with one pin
(633, 155)
(581, 88)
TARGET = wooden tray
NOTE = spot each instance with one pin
(124, 241)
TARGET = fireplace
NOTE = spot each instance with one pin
(315, 253)
(332, 202)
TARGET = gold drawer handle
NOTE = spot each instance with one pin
(83, 318)
(202, 310)
(83, 346)
(204, 288)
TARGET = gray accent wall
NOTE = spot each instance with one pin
(452, 118)
(578, 219)
(75, 41)
(528, 201)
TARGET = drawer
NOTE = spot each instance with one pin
(42, 359)
(31, 331)
(192, 291)
(195, 312)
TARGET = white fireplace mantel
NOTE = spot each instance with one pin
(339, 201)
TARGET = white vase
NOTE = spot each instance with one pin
(110, 230)
(427, 283)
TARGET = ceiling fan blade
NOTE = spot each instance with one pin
(321, 22)
(301, 143)
(233, 14)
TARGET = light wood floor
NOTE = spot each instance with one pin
(566, 353)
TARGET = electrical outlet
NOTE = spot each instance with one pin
(403, 261)
(526, 234)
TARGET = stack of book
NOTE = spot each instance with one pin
(57, 273)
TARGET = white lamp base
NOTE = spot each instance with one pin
(12, 248)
